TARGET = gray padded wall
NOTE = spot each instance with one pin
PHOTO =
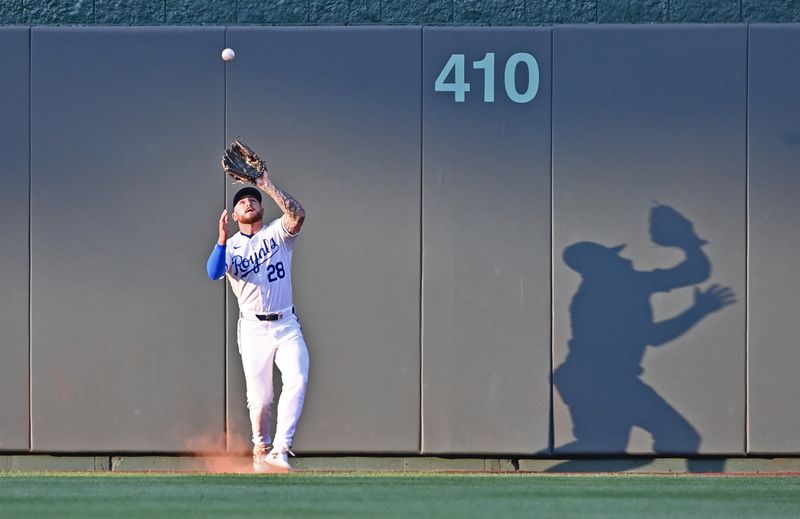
(646, 114)
(14, 382)
(774, 156)
(336, 113)
(127, 332)
(486, 250)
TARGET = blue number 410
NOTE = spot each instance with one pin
(459, 86)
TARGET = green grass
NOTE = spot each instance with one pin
(421, 496)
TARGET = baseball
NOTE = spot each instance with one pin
(228, 54)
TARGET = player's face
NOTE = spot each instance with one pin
(248, 210)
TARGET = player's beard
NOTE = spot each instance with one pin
(251, 218)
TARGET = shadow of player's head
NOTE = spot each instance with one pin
(592, 259)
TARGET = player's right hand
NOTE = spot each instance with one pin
(223, 227)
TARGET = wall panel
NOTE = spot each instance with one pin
(14, 260)
(486, 245)
(648, 116)
(127, 331)
(774, 155)
(336, 114)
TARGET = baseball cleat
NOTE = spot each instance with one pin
(260, 453)
(278, 458)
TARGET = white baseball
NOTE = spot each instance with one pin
(228, 54)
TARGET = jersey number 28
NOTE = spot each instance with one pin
(275, 272)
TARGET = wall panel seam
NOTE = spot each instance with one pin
(30, 244)
(225, 327)
(747, 248)
(551, 428)
(421, 238)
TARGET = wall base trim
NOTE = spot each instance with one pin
(237, 464)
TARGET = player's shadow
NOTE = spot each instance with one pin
(612, 326)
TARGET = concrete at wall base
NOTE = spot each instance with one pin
(35, 463)
(202, 464)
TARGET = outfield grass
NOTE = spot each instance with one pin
(421, 496)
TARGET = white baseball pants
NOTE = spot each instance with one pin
(262, 344)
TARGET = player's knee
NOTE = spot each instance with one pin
(258, 404)
(296, 384)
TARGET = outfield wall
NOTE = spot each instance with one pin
(430, 279)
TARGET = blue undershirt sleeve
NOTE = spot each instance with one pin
(216, 263)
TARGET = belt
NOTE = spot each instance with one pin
(274, 316)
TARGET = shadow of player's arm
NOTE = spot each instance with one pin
(705, 302)
(694, 269)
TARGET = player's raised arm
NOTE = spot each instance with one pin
(243, 165)
(293, 213)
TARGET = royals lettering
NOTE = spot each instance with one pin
(244, 265)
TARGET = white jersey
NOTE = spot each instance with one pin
(259, 268)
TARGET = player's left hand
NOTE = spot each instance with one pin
(263, 180)
(243, 165)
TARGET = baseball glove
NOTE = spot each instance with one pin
(242, 164)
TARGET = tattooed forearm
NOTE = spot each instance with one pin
(294, 214)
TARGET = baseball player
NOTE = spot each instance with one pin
(258, 264)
